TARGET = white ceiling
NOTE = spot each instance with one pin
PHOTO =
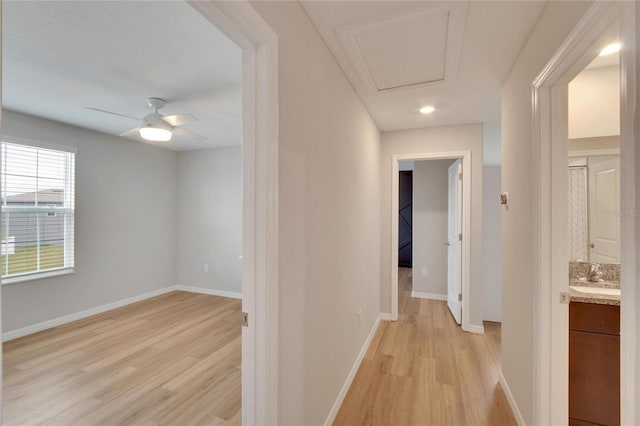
(61, 57)
(604, 61)
(378, 47)
(402, 55)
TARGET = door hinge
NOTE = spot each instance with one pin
(459, 237)
(460, 176)
(245, 319)
(459, 297)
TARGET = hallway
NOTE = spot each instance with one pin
(424, 370)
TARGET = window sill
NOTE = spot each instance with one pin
(36, 276)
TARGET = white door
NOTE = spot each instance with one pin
(454, 245)
(604, 207)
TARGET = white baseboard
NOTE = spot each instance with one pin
(477, 329)
(352, 374)
(512, 402)
(25, 331)
(209, 291)
(385, 317)
(21, 332)
(430, 296)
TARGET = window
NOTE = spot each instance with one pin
(37, 211)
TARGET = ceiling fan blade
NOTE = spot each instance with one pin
(132, 133)
(114, 113)
(179, 120)
(184, 133)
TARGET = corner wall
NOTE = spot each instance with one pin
(125, 192)
(491, 244)
(466, 137)
(594, 103)
(555, 23)
(329, 203)
(209, 200)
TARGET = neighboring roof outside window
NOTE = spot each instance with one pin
(45, 196)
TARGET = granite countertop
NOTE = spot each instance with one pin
(602, 293)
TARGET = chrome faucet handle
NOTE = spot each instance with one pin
(595, 274)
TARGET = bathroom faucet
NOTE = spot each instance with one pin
(595, 274)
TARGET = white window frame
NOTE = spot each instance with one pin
(68, 209)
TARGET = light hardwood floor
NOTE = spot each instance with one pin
(424, 370)
(170, 360)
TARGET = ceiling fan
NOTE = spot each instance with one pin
(157, 127)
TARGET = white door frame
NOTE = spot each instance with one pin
(1, 326)
(466, 228)
(629, 223)
(550, 227)
(243, 25)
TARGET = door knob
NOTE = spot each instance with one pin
(592, 245)
(446, 244)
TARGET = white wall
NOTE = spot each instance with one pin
(492, 244)
(209, 199)
(491, 143)
(430, 218)
(594, 103)
(125, 224)
(556, 21)
(329, 204)
(630, 160)
(466, 137)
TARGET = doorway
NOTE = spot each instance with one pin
(455, 241)
(601, 26)
(242, 24)
(259, 43)
(405, 219)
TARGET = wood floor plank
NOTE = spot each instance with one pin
(424, 370)
(173, 359)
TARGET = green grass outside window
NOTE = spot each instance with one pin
(24, 259)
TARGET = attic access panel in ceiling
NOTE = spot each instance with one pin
(422, 49)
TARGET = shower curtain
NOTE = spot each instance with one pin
(578, 216)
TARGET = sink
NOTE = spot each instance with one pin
(596, 290)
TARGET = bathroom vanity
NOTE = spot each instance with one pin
(593, 200)
(594, 350)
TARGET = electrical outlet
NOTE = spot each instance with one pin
(423, 272)
(206, 267)
(359, 316)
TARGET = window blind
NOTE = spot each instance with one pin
(38, 186)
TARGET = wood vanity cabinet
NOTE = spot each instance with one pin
(594, 364)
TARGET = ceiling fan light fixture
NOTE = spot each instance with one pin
(155, 133)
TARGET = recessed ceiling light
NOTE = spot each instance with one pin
(610, 49)
(427, 109)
